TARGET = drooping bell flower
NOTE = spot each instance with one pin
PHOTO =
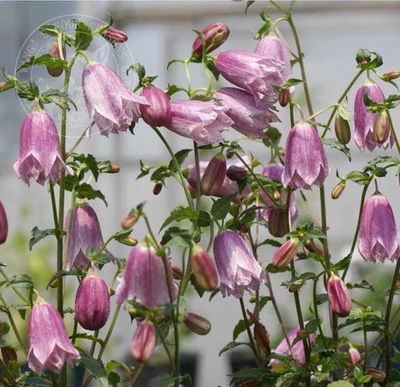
(143, 279)
(305, 160)
(215, 34)
(84, 233)
(273, 48)
(238, 269)
(214, 175)
(158, 112)
(228, 186)
(3, 224)
(273, 213)
(248, 118)
(92, 302)
(252, 72)
(203, 269)
(144, 341)
(109, 101)
(297, 348)
(377, 239)
(364, 120)
(202, 121)
(39, 149)
(339, 296)
(49, 345)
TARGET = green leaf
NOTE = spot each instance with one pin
(312, 325)
(321, 298)
(229, 346)
(138, 69)
(220, 207)
(37, 235)
(239, 328)
(44, 60)
(96, 368)
(60, 99)
(83, 36)
(167, 380)
(28, 90)
(363, 285)
(86, 191)
(343, 264)
(50, 29)
(177, 237)
(160, 174)
(335, 144)
(263, 301)
(178, 214)
(249, 3)
(341, 383)
(180, 158)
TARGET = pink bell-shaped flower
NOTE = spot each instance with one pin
(49, 345)
(305, 160)
(252, 72)
(202, 121)
(377, 239)
(248, 118)
(274, 49)
(215, 34)
(39, 149)
(109, 101)
(143, 279)
(238, 269)
(92, 302)
(364, 120)
(158, 112)
(339, 296)
(144, 341)
(85, 232)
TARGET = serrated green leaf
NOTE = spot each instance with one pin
(239, 328)
(96, 368)
(83, 36)
(178, 214)
(86, 191)
(60, 99)
(37, 235)
(343, 264)
(160, 174)
(220, 207)
(341, 383)
(50, 29)
(335, 144)
(229, 346)
(44, 60)
(138, 69)
(180, 158)
(177, 237)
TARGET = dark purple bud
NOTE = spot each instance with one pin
(3, 224)
(215, 34)
(236, 173)
(158, 112)
(8, 354)
(197, 324)
(115, 36)
(92, 303)
(284, 97)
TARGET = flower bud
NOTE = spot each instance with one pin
(215, 34)
(276, 222)
(128, 241)
(157, 188)
(342, 129)
(285, 254)
(129, 221)
(214, 175)
(338, 189)
(3, 224)
(313, 247)
(284, 97)
(391, 75)
(354, 356)
(114, 168)
(2, 84)
(92, 302)
(54, 52)
(377, 375)
(158, 112)
(339, 296)
(381, 127)
(8, 354)
(143, 341)
(203, 269)
(177, 273)
(115, 36)
(236, 173)
(197, 324)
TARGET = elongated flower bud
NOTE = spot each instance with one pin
(215, 34)
(203, 269)
(129, 221)
(115, 36)
(236, 173)
(381, 127)
(8, 354)
(276, 222)
(377, 375)
(391, 75)
(92, 303)
(338, 189)
(342, 129)
(284, 97)
(197, 324)
(354, 355)
(143, 341)
(54, 52)
(339, 296)
(158, 112)
(3, 224)
(285, 254)
(214, 175)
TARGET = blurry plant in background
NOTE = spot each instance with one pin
(233, 207)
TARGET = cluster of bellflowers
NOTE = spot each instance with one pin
(244, 221)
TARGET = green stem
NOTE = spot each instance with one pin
(321, 332)
(324, 228)
(387, 321)
(15, 289)
(396, 140)
(137, 374)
